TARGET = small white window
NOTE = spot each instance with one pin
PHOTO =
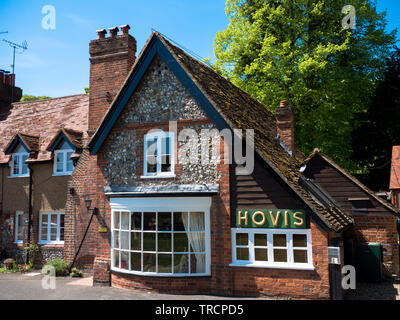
(159, 154)
(19, 227)
(51, 228)
(63, 165)
(272, 248)
(19, 167)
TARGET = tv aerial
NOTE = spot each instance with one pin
(21, 48)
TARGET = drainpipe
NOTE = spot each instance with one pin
(30, 207)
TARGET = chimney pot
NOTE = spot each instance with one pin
(113, 32)
(125, 29)
(101, 34)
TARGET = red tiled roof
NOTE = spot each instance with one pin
(44, 118)
(395, 170)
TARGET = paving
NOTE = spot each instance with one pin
(388, 289)
(17, 286)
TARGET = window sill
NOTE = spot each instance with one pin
(21, 176)
(160, 275)
(61, 174)
(166, 176)
(274, 266)
(51, 244)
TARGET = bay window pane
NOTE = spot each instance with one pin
(164, 221)
(242, 254)
(53, 230)
(300, 256)
(136, 241)
(149, 242)
(124, 240)
(124, 260)
(136, 261)
(279, 240)
(149, 221)
(261, 254)
(280, 255)
(116, 239)
(165, 263)
(116, 220)
(124, 220)
(116, 259)
(197, 263)
(164, 242)
(180, 221)
(181, 263)
(197, 221)
(149, 262)
(136, 221)
(197, 242)
(180, 242)
(300, 241)
(242, 239)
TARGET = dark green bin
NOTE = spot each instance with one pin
(369, 262)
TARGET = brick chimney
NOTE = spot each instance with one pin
(285, 125)
(111, 59)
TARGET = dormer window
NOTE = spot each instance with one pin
(63, 164)
(159, 155)
(19, 167)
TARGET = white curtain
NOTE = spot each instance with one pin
(196, 238)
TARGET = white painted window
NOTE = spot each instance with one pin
(19, 167)
(161, 236)
(159, 154)
(63, 165)
(51, 228)
(272, 248)
(19, 227)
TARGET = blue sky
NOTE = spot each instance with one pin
(57, 61)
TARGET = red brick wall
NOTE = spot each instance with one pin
(111, 59)
(380, 229)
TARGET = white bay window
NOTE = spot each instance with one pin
(164, 237)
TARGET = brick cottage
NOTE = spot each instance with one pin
(161, 197)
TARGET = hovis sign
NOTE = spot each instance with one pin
(280, 219)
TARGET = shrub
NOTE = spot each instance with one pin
(61, 267)
(75, 273)
(32, 250)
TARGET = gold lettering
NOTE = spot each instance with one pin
(275, 220)
(245, 218)
(258, 223)
(301, 220)
(286, 219)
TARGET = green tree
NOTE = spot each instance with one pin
(379, 128)
(298, 50)
(27, 97)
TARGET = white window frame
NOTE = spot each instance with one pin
(20, 155)
(191, 204)
(158, 173)
(49, 214)
(65, 172)
(17, 214)
(290, 264)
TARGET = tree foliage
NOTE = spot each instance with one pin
(378, 128)
(298, 50)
